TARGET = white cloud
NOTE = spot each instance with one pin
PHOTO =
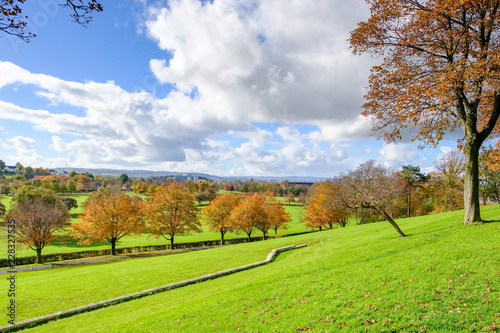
(394, 155)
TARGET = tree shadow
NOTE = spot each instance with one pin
(66, 240)
(490, 221)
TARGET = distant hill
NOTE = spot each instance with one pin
(149, 173)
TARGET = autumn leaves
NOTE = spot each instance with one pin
(111, 214)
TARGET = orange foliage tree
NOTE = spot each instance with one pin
(277, 215)
(325, 206)
(171, 211)
(217, 213)
(109, 215)
(440, 72)
(251, 213)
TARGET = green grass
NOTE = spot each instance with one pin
(443, 277)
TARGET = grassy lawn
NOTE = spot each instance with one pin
(443, 277)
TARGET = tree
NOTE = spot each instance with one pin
(217, 214)
(325, 206)
(69, 203)
(277, 215)
(109, 215)
(28, 171)
(290, 197)
(85, 182)
(440, 72)
(13, 22)
(412, 177)
(19, 167)
(171, 211)
(71, 186)
(151, 189)
(38, 214)
(251, 213)
(374, 187)
(123, 178)
(2, 164)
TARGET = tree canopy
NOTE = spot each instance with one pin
(440, 72)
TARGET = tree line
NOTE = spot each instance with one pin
(110, 214)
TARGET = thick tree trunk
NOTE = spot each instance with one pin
(263, 235)
(471, 179)
(221, 238)
(393, 223)
(39, 258)
(249, 237)
(113, 247)
(171, 242)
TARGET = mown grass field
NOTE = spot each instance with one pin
(443, 277)
(65, 243)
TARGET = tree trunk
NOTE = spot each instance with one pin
(113, 247)
(171, 242)
(39, 258)
(408, 213)
(249, 237)
(221, 238)
(320, 228)
(471, 179)
(263, 235)
(393, 223)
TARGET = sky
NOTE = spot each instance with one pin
(225, 87)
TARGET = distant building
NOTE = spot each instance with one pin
(10, 169)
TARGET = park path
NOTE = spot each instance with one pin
(102, 259)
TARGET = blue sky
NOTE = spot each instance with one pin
(227, 87)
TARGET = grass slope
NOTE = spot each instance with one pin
(444, 277)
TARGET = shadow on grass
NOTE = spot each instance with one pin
(491, 221)
(65, 240)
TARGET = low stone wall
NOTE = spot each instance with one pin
(97, 305)
(47, 258)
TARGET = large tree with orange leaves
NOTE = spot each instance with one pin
(251, 213)
(440, 72)
(325, 206)
(109, 215)
(216, 215)
(170, 211)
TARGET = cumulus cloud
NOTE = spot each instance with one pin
(233, 64)
(396, 154)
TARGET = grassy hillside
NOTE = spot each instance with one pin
(444, 277)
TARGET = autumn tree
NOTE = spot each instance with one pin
(15, 23)
(290, 197)
(374, 187)
(39, 214)
(109, 215)
(440, 72)
(251, 213)
(171, 211)
(217, 214)
(412, 178)
(325, 206)
(277, 215)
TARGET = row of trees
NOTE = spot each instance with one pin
(109, 214)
